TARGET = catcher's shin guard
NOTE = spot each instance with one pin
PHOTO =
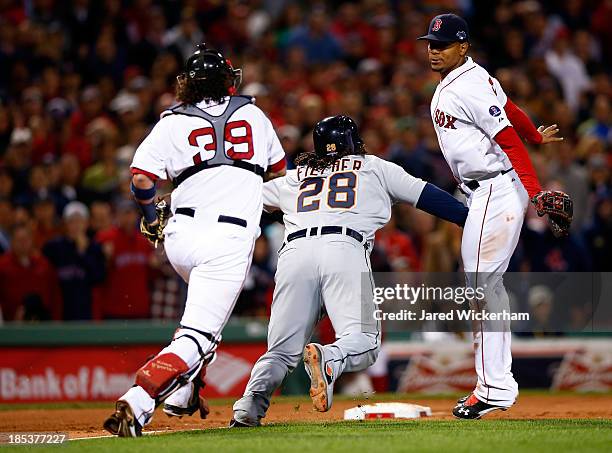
(188, 399)
(160, 375)
(177, 364)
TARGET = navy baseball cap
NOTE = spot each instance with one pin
(447, 28)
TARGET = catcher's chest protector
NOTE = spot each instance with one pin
(218, 123)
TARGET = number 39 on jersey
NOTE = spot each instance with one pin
(245, 138)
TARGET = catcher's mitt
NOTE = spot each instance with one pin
(558, 206)
(155, 232)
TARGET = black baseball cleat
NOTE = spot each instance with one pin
(242, 419)
(196, 402)
(236, 424)
(177, 411)
(200, 404)
(472, 408)
(123, 423)
(463, 399)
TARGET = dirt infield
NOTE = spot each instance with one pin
(88, 421)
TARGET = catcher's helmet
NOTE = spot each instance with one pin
(210, 65)
(336, 134)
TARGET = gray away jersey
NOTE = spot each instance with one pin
(356, 192)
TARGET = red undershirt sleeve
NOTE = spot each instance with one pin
(278, 166)
(138, 171)
(522, 123)
(512, 145)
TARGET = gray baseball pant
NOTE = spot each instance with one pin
(331, 273)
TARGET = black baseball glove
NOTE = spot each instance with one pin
(559, 207)
(154, 232)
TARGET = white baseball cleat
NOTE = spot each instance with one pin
(321, 377)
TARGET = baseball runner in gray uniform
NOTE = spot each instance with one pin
(333, 203)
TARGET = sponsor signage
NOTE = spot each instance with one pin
(101, 373)
(583, 365)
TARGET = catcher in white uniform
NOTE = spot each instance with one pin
(216, 148)
(333, 203)
(477, 127)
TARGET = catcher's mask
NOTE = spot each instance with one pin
(210, 65)
(336, 135)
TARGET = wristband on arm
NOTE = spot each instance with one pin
(145, 197)
(143, 194)
(148, 212)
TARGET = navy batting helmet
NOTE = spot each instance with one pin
(336, 135)
(210, 65)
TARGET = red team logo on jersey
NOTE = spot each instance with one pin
(444, 119)
(437, 25)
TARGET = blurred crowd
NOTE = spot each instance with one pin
(83, 81)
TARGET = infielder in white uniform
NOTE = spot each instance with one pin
(216, 148)
(333, 203)
(474, 120)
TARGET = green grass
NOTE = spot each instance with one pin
(372, 436)
(497, 436)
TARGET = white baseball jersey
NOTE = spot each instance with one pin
(212, 254)
(356, 192)
(467, 110)
(180, 141)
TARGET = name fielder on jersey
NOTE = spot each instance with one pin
(345, 164)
